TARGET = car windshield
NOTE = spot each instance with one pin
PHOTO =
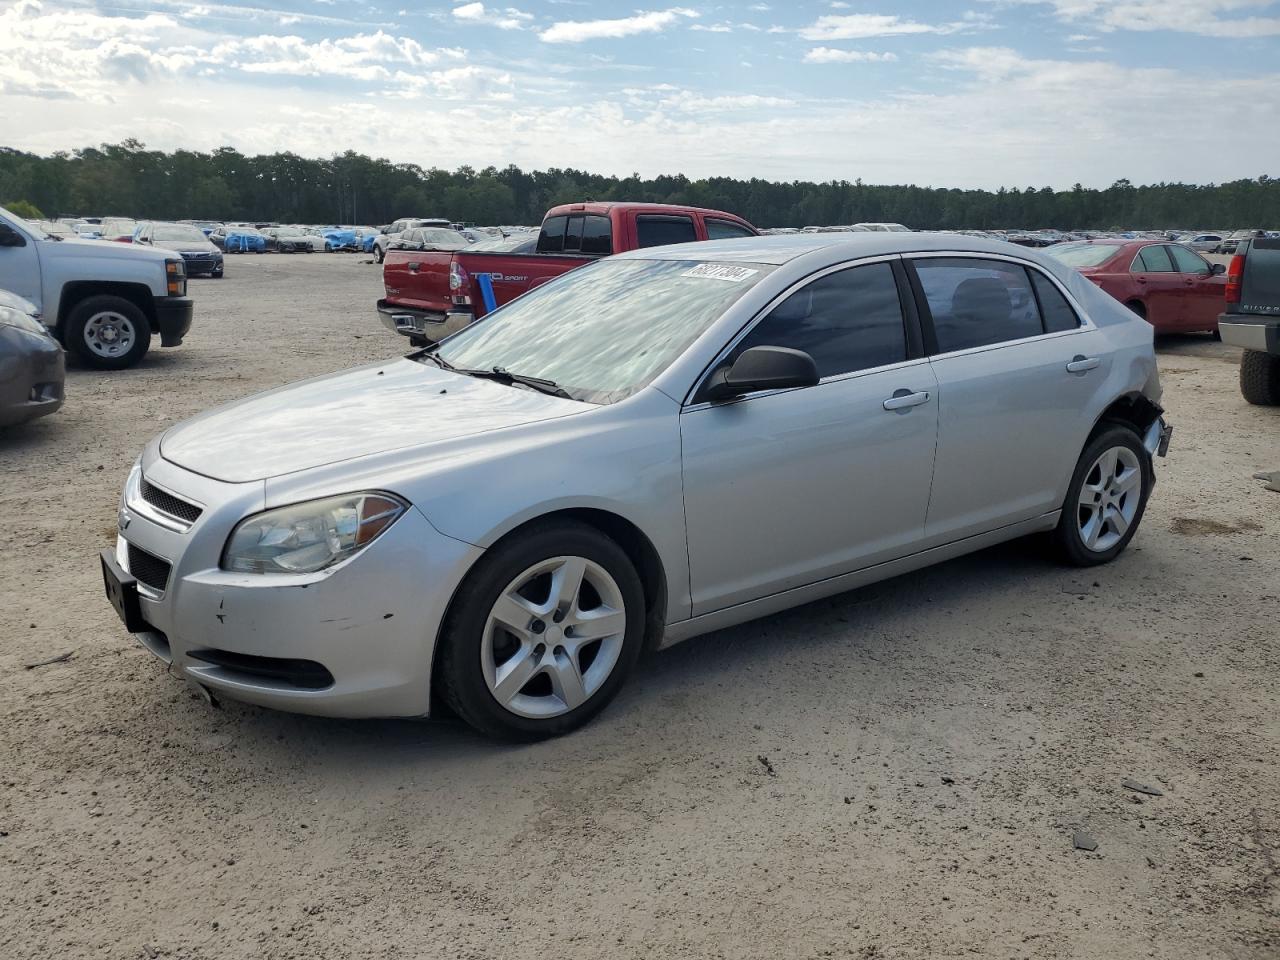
(1083, 254)
(444, 239)
(604, 331)
(177, 233)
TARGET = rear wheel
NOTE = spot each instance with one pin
(542, 634)
(107, 333)
(1107, 497)
(1137, 307)
(1260, 378)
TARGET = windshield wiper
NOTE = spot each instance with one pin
(503, 375)
(439, 361)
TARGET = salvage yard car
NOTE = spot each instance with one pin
(199, 254)
(103, 301)
(32, 365)
(653, 446)
(1170, 286)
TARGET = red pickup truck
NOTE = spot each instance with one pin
(431, 294)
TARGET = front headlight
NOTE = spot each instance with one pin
(310, 536)
(24, 322)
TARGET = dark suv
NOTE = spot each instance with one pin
(1252, 318)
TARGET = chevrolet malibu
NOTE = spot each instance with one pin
(657, 445)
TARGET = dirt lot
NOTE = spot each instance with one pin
(897, 772)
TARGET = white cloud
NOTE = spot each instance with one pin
(1206, 18)
(576, 31)
(830, 55)
(860, 26)
(505, 19)
(295, 56)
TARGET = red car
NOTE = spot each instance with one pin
(1170, 286)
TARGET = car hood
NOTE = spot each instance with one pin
(185, 246)
(98, 250)
(344, 416)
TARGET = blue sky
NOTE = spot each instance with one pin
(984, 93)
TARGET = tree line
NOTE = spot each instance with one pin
(127, 179)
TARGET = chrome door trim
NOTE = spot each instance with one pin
(688, 404)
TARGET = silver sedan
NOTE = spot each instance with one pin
(645, 449)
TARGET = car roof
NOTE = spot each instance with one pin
(778, 249)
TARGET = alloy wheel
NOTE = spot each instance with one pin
(1109, 499)
(553, 637)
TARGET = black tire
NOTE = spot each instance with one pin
(459, 675)
(1067, 537)
(1260, 378)
(1138, 308)
(379, 253)
(85, 311)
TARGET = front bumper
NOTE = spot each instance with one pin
(427, 325)
(202, 263)
(173, 319)
(1260, 333)
(366, 627)
(32, 374)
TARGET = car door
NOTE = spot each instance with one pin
(1204, 293)
(1160, 287)
(785, 488)
(1017, 370)
(20, 264)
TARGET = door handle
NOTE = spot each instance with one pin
(1141, 279)
(905, 399)
(1082, 364)
(413, 266)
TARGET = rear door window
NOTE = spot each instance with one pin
(658, 231)
(725, 230)
(977, 303)
(1153, 259)
(551, 239)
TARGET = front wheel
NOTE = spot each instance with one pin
(107, 333)
(1107, 497)
(543, 633)
(379, 253)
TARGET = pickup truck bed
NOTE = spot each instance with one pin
(432, 294)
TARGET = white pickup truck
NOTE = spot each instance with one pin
(104, 301)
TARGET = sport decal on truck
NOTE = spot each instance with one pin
(503, 278)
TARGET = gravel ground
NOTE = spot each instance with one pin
(897, 772)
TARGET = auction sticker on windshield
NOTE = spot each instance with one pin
(721, 271)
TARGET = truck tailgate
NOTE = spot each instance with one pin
(418, 279)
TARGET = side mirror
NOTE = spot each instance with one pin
(763, 368)
(10, 237)
(1219, 269)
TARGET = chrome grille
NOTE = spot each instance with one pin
(148, 568)
(167, 503)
